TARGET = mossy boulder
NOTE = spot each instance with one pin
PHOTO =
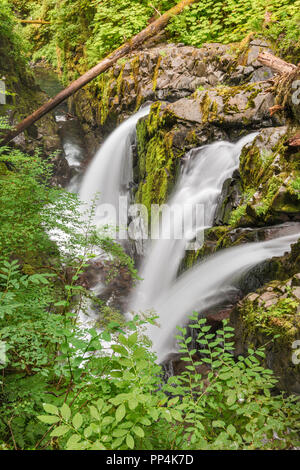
(271, 317)
(165, 72)
(162, 142)
(245, 106)
(269, 179)
(221, 237)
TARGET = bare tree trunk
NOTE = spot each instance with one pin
(105, 64)
(276, 64)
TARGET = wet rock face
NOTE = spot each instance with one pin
(269, 173)
(222, 237)
(43, 136)
(245, 106)
(265, 190)
(229, 200)
(249, 69)
(273, 310)
(165, 72)
(171, 72)
(162, 143)
(113, 282)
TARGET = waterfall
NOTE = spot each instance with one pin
(109, 175)
(201, 183)
(110, 171)
(172, 298)
(205, 285)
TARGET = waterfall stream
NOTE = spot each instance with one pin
(110, 172)
(205, 285)
(173, 298)
(201, 182)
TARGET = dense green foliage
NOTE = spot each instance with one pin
(231, 20)
(102, 388)
(81, 32)
(13, 64)
(68, 386)
(11, 44)
(228, 407)
(40, 293)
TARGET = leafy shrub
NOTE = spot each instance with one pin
(233, 408)
(81, 32)
(40, 293)
(230, 21)
(13, 47)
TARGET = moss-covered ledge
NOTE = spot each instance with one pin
(271, 317)
(270, 180)
(162, 141)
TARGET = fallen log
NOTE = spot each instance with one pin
(34, 22)
(151, 30)
(278, 65)
(282, 84)
(294, 141)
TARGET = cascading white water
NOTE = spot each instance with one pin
(108, 176)
(110, 172)
(201, 183)
(205, 285)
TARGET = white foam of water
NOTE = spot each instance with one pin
(201, 183)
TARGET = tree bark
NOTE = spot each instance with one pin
(105, 64)
(276, 64)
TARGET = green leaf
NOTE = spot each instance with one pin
(145, 421)
(49, 419)
(107, 420)
(130, 441)
(154, 414)
(231, 430)
(138, 431)
(176, 415)
(53, 410)
(94, 412)
(60, 431)
(231, 399)
(98, 446)
(132, 339)
(120, 413)
(218, 424)
(119, 349)
(73, 442)
(132, 403)
(77, 421)
(119, 432)
(65, 412)
(117, 442)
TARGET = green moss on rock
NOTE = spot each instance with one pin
(157, 162)
(271, 317)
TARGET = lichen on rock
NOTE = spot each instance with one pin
(268, 171)
(271, 317)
